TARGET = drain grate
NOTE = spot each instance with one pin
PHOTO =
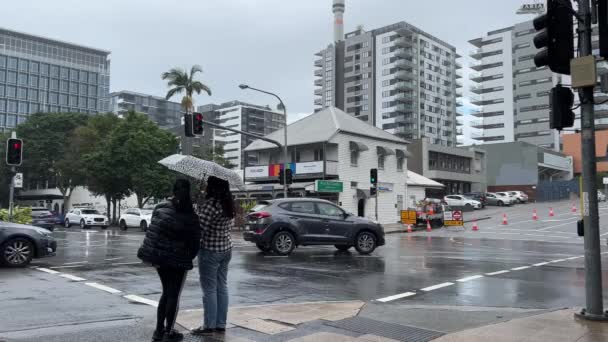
(389, 330)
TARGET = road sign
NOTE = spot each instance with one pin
(328, 186)
(453, 218)
(408, 216)
(18, 180)
(605, 179)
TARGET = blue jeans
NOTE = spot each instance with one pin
(213, 271)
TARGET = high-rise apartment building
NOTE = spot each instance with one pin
(260, 120)
(397, 78)
(39, 74)
(165, 113)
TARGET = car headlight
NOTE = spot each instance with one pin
(43, 232)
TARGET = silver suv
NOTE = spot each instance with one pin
(281, 225)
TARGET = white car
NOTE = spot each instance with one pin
(86, 217)
(498, 199)
(461, 201)
(136, 217)
(520, 196)
(601, 197)
(506, 194)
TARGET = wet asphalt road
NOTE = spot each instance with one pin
(526, 264)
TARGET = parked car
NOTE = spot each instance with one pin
(478, 196)
(497, 199)
(601, 197)
(85, 217)
(42, 217)
(281, 225)
(20, 243)
(462, 201)
(508, 195)
(135, 217)
(520, 196)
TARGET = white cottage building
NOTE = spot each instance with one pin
(330, 155)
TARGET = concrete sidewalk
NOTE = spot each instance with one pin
(556, 326)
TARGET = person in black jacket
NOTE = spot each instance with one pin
(170, 245)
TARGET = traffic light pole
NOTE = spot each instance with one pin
(376, 202)
(593, 268)
(11, 194)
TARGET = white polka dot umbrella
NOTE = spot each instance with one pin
(201, 169)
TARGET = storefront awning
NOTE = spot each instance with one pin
(358, 147)
(384, 151)
(402, 154)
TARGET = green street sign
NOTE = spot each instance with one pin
(328, 186)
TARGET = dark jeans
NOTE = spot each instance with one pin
(173, 280)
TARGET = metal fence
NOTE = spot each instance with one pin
(557, 190)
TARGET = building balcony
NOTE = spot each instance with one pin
(459, 122)
(458, 92)
(477, 89)
(475, 77)
(405, 64)
(404, 42)
(476, 53)
(476, 65)
(405, 86)
(458, 65)
(406, 97)
(319, 72)
(319, 101)
(319, 82)
(319, 92)
(404, 108)
(476, 100)
(319, 63)
(458, 74)
(458, 84)
(459, 102)
(405, 75)
(320, 53)
(477, 124)
(405, 53)
(459, 114)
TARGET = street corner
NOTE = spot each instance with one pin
(277, 319)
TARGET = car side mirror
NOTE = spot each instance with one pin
(346, 215)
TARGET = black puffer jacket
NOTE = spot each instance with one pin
(173, 238)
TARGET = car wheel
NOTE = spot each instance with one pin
(468, 206)
(500, 203)
(283, 243)
(519, 201)
(143, 225)
(343, 248)
(67, 223)
(365, 243)
(17, 252)
(263, 247)
(83, 224)
(123, 225)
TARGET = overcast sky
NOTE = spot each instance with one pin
(268, 44)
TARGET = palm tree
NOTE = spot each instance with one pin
(182, 81)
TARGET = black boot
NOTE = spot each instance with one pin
(158, 335)
(173, 336)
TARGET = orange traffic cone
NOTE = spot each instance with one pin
(504, 219)
(551, 213)
(574, 208)
(534, 215)
(409, 228)
(475, 227)
(428, 226)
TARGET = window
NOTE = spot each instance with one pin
(34, 67)
(74, 88)
(83, 89)
(400, 162)
(22, 93)
(22, 107)
(65, 86)
(53, 98)
(34, 81)
(11, 92)
(54, 84)
(32, 95)
(44, 69)
(63, 99)
(303, 207)
(44, 82)
(23, 65)
(381, 161)
(73, 101)
(12, 106)
(329, 210)
(354, 158)
(12, 63)
(2, 65)
(74, 74)
(318, 154)
(54, 71)
(83, 76)
(11, 77)
(65, 73)
(354, 185)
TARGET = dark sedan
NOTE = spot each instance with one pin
(42, 217)
(20, 243)
(281, 225)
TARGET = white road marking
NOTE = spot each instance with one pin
(75, 262)
(114, 258)
(572, 258)
(68, 266)
(541, 264)
(47, 270)
(462, 280)
(438, 286)
(558, 260)
(401, 295)
(103, 288)
(520, 268)
(498, 272)
(125, 263)
(142, 300)
(71, 277)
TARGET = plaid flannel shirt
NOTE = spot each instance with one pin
(215, 227)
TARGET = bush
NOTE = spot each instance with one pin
(20, 215)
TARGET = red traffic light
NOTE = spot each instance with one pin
(197, 125)
(14, 152)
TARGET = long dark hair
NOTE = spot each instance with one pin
(219, 190)
(181, 196)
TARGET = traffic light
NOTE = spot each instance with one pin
(373, 191)
(197, 124)
(14, 152)
(188, 125)
(289, 176)
(281, 178)
(556, 37)
(373, 176)
(602, 18)
(561, 102)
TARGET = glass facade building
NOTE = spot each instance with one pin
(165, 113)
(38, 74)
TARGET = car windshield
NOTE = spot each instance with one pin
(90, 212)
(259, 207)
(146, 212)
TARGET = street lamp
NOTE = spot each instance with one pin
(285, 185)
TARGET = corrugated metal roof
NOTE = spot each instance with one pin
(322, 126)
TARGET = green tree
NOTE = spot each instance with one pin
(181, 81)
(136, 145)
(49, 152)
(217, 155)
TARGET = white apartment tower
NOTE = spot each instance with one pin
(397, 78)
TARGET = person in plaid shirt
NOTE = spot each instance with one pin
(216, 215)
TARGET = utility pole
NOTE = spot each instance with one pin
(593, 266)
(11, 194)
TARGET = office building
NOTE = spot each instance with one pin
(397, 78)
(39, 74)
(164, 113)
(260, 120)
